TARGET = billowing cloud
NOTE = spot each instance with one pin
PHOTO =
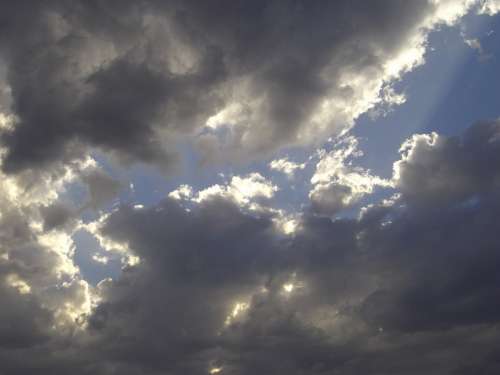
(286, 166)
(241, 79)
(490, 7)
(227, 279)
(440, 170)
(246, 191)
(44, 298)
(337, 184)
(220, 288)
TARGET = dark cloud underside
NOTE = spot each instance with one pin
(212, 284)
(131, 77)
(398, 291)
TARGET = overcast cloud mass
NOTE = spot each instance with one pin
(182, 190)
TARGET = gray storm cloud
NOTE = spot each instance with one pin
(210, 282)
(346, 296)
(220, 288)
(239, 78)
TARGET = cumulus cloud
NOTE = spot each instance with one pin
(242, 79)
(219, 288)
(337, 184)
(44, 297)
(182, 192)
(210, 284)
(440, 170)
(490, 7)
(246, 191)
(286, 166)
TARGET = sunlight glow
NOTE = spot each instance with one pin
(238, 308)
(16, 282)
(289, 287)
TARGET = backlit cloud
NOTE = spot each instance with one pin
(189, 187)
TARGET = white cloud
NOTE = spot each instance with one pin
(415, 150)
(242, 190)
(107, 244)
(286, 166)
(475, 44)
(100, 258)
(338, 184)
(6, 122)
(287, 224)
(182, 192)
(490, 7)
(16, 282)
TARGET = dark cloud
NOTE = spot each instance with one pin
(410, 287)
(130, 78)
(24, 322)
(443, 242)
(388, 293)
(330, 199)
(56, 215)
(394, 292)
(40, 288)
(101, 188)
(438, 170)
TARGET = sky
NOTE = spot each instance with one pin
(241, 187)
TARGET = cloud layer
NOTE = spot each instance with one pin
(240, 79)
(413, 280)
(219, 280)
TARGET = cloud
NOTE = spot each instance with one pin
(182, 192)
(246, 191)
(346, 296)
(239, 82)
(220, 287)
(490, 7)
(44, 297)
(210, 282)
(476, 45)
(286, 166)
(56, 215)
(337, 184)
(101, 187)
(441, 170)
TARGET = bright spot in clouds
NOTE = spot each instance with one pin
(238, 309)
(16, 282)
(286, 166)
(288, 288)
